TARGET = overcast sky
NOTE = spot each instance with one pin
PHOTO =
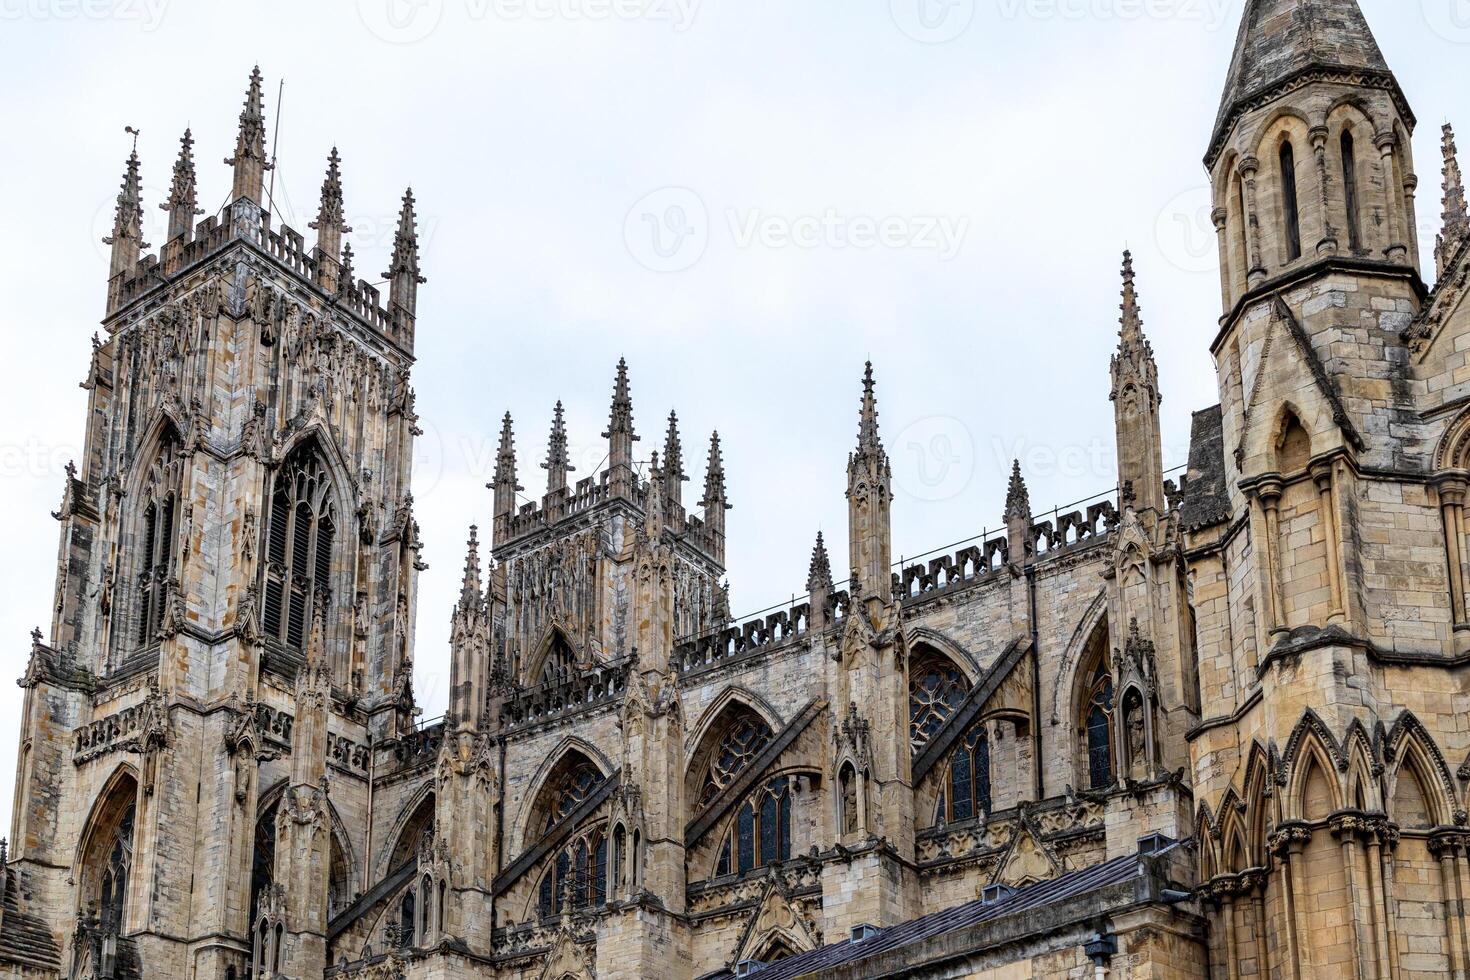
(746, 198)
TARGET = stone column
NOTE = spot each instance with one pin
(1249, 167)
(1268, 496)
(1220, 217)
(1322, 476)
(1346, 828)
(1441, 848)
(1327, 244)
(1287, 843)
(1396, 251)
(1451, 486)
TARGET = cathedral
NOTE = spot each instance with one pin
(1213, 726)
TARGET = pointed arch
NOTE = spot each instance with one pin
(938, 685)
(1363, 769)
(1259, 779)
(1410, 744)
(733, 732)
(1208, 842)
(1313, 762)
(554, 659)
(1078, 647)
(963, 659)
(731, 695)
(1453, 450)
(103, 863)
(570, 755)
(409, 820)
(1092, 713)
(162, 429)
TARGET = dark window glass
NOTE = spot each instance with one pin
(1289, 203)
(960, 782)
(1350, 190)
(745, 830)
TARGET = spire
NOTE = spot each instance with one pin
(469, 590)
(819, 573)
(403, 272)
(869, 443)
(1456, 220)
(1280, 39)
(653, 521)
(715, 502)
(674, 475)
(714, 477)
(1018, 498)
(330, 225)
(558, 463)
(1131, 334)
(127, 222)
(620, 436)
(249, 159)
(182, 203)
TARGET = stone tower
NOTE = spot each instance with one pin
(237, 549)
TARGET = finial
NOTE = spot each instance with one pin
(403, 270)
(819, 572)
(182, 196)
(469, 593)
(620, 421)
(1018, 498)
(249, 160)
(330, 215)
(714, 478)
(1131, 331)
(348, 272)
(558, 463)
(869, 442)
(1456, 228)
(674, 475)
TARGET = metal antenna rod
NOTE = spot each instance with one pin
(275, 138)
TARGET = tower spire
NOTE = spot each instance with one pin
(182, 203)
(470, 590)
(715, 502)
(869, 442)
(127, 230)
(403, 272)
(1456, 229)
(504, 485)
(249, 159)
(330, 225)
(620, 436)
(869, 504)
(558, 463)
(674, 475)
(1136, 401)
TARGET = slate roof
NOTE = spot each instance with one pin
(1206, 497)
(961, 916)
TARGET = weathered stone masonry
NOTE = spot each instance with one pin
(1206, 727)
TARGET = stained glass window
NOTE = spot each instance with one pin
(968, 792)
(573, 788)
(936, 688)
(578, 873)
(761, 835)
(737, 749)
(1099, 728)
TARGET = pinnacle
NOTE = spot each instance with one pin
(868, 439)
(1018, 498)
(819, 573)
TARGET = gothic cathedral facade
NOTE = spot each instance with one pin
(1213, 726)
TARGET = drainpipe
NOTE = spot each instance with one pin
(1035, 686)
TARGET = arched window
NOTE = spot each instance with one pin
(760, 835)
(737, 747)
(1350, 190)
(577, 874)
(571, 789)
(966, 793)
(560, 661)
(115, 875)
(1290, 214)
(263, 867)
(155, 540)
(1098, 726)
(300, 532)
(936, 688)
(407, 919)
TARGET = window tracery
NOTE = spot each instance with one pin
(936, 688)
